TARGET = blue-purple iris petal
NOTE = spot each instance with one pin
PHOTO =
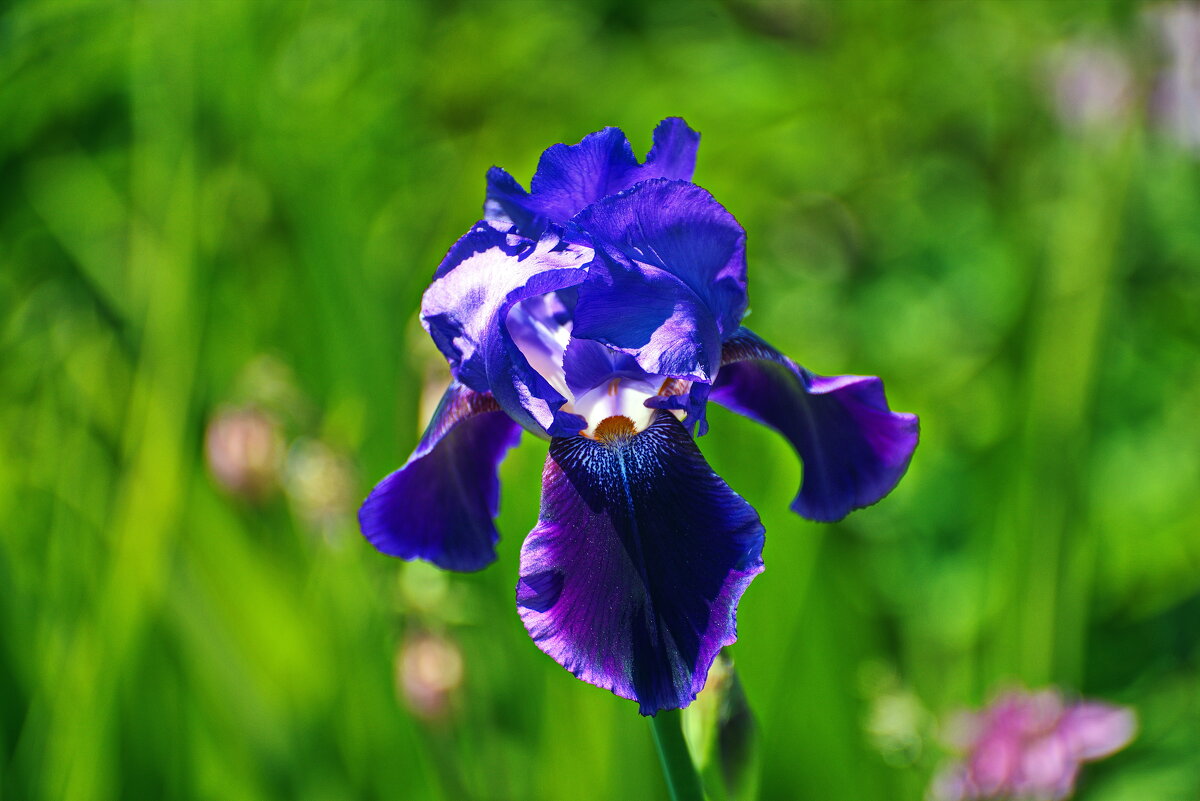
(632, 576)
(694, 402)
(439, 506)
(554, 310)
(647, 312)
(678, 227)
(566, 424)
(588, 364)
(673, 154)
(853, 447)
(571, 177)
(508, 202)
(482, 237)
(465, 309)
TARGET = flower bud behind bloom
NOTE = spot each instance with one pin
(243, 447)
(429, 669)
(721, 730)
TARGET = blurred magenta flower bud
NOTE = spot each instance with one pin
(429, 669)
(1030, 746)
(244, 450)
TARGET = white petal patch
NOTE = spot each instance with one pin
(533, 325)
(621, 397)
(541, 329)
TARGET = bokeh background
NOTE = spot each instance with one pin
(216, 222)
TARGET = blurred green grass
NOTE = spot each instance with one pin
(215, 203)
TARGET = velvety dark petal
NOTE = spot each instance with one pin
(632, 576)
(466, 307)
(647, 312)
(439, 506)
(853, 447)
(680, 228)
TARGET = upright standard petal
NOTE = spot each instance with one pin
(648, 313)
(673, 154)
(465, 310)
(508, 203)
(439, 506)
(571, 177)
(632, 576)
(679, 228)
(853, 447)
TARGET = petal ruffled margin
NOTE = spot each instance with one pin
(571, 177)
(440, 505)
(853, 447)
(632, 576)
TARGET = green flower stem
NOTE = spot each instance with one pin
(677, 765)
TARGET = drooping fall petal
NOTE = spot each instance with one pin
(440, 505)
(853, 447)
(632, 576)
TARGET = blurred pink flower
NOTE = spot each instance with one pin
(244, 450)
(1029, 745)
(429, 669)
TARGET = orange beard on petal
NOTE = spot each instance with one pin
(615, 428)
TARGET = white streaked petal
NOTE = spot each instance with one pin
(535, 328)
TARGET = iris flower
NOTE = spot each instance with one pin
(601, 310)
